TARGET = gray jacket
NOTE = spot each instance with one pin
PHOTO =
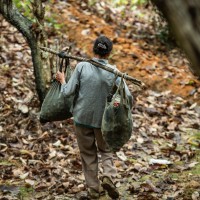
(95, 85)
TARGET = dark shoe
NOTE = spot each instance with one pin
(102, 192)
(108, 185)
(90, 194)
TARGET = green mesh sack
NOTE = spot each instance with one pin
(55, 106)
(117, 119)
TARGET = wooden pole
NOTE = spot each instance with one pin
(114, 71)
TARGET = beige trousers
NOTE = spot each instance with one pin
(90, 142)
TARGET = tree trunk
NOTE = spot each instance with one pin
(184, 18)
(34, 35)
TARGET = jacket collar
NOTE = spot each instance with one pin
(102, 61)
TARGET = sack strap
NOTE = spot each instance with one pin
(61, 65)
(67, 62)
(113, 90)
(121, 90)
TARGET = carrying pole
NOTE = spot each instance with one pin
(114, 71)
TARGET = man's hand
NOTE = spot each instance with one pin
(60, 76)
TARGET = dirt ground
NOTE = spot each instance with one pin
(158, 65)
(41, 161)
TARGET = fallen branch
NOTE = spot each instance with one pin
(114, 71)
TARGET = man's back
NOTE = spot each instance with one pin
(95, 85)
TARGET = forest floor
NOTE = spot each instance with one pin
(42, 161)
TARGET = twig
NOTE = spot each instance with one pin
(114, 71)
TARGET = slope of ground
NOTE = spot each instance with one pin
(158, 65)
(42, 161)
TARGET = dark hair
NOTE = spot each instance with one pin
(102, 46)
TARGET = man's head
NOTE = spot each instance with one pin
(102, 46)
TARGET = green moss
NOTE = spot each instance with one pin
(175, 176)
(196, 171)
(25, 192)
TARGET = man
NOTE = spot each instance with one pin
(94, 85)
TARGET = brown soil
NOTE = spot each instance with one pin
(159, 67)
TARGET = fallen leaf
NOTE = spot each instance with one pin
(23, 176)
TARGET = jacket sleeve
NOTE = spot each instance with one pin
(69, 88)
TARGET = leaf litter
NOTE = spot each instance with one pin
(42, 161)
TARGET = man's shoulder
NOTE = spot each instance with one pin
(82, 63)
(112, 66)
